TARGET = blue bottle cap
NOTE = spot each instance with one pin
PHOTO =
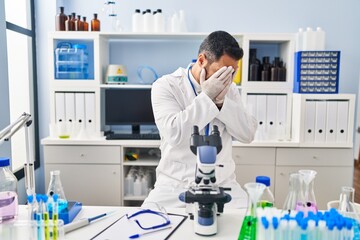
(265, 222)
(264, 180)
(4, 162)
(45, 198)
(275, 222)
(55, 197)
(38, 198)
(30, 198)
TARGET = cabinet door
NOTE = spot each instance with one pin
(327, 185)
(248, 173)
(89, 184)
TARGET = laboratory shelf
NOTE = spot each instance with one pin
(134, 198)
(126, 86)
(141, 162)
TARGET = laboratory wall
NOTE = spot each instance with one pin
(340, 20)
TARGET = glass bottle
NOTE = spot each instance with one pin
(267, 199)
(265, 72)
(294, 195)
(8, 191)
(86, 25)
(275, 70)
(248, 228)
(67, 23)
(307, 179)
(254, 66)
(60, 20)
(55, 187)
(346, 201)
(95, 23)
(282, 72)
(79, 25)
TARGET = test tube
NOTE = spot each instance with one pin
(29, 178)
(55, 215)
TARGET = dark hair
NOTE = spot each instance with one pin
(219, 43)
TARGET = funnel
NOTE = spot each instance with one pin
(255, 190)
(307, 175)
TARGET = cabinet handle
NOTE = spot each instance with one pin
(114, 173)
(315, 157)
(237, 156)
(82, 155)
(282, 174)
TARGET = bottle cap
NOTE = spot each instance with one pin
(159, 10)
(148, 10)
(4, 162)
(264, 180)
(137, 10)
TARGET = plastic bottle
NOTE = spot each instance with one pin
(182, 21)
(129, 185)
(55, 187)
(144, 186)
(147, 21)
(137, 187)
(320, 39)
(95, 23)
(86, 25)
(267, 199)
(60, 20)
(299, 40)
(309, 40)
(175, 23)
(159, 21)
(137, 21)
(8, 191)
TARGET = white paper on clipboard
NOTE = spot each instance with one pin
(123, 228)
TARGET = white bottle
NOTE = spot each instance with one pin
(144, 186)
(129, 185)
(182, 21)
(137, 187)
(137, 21)
(148, 21)
(309, 43)
(175, 23)
(320, 39)
(159, 21)
(299, 40)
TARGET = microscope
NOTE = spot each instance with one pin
(207, 197)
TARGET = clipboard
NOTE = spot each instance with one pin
(123, 228)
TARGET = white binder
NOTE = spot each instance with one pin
(271, 112)
(309, 121)
(70, 107)
(320, 121)
(60, 107)
(281, 117)
(331, 118)
(251, 104)
(261, 117)
(342, 121)
(80, 108)
(90, 112)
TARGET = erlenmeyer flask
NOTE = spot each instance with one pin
(294, 199)
(307, 178)
(248, 228)
(346, 201)
(55, 187)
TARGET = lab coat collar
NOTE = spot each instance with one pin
(194, 82)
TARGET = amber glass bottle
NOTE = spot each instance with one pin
(95, 23)
(86, 25)
(79, 25)
(60, 20)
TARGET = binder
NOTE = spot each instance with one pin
(261, 117)
(90, 112)
(281, 117)
(59, 107)
(271, 112)
(320, 121)
(342, 121)
(309, 124)
(331, 119)
(70, 107)
(251, 104)
(80, 108)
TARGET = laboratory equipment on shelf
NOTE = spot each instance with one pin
(267, 198)
(95, 23)
(207, 197)
(116, 74)
(60, 19)
(248, 228)
(294, 195)
(309, 203)
(55, 187)
(8, 191)
(346, 201)
(23, 121)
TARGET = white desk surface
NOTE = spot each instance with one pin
(229, 223)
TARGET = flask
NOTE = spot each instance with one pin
(137, 21)
(86, 25)
(8, 191)
(248, 228)
(346, 201)
(307, 180)
(95, 23)
(60, 20)
(159, 21)
(267, 199)
(294, 195)
(55, 187)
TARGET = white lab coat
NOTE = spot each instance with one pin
(176, 111)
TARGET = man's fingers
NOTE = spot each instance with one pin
(220, 72)
(202, 75)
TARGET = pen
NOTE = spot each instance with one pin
(141, 234)
(83, 222)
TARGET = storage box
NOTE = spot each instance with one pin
(317, 72)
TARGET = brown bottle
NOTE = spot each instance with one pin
(73, 22)
(95, 23)
(67, 23)
(79, 25)
(86, 25)
(60, 20)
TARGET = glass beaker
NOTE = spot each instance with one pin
(307, 179)
(346, 201)
(55, 187)
(294, 199)
(248, 228)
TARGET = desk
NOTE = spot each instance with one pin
(229, 223)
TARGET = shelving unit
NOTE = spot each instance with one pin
(263, 156)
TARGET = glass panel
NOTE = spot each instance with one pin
(20, 86)
(18, 12)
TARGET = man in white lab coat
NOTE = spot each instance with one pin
(202, 95)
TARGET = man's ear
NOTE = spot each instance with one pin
(202, 60)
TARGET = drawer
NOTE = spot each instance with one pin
(82, 154)
(254, 156)
(314, 157)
